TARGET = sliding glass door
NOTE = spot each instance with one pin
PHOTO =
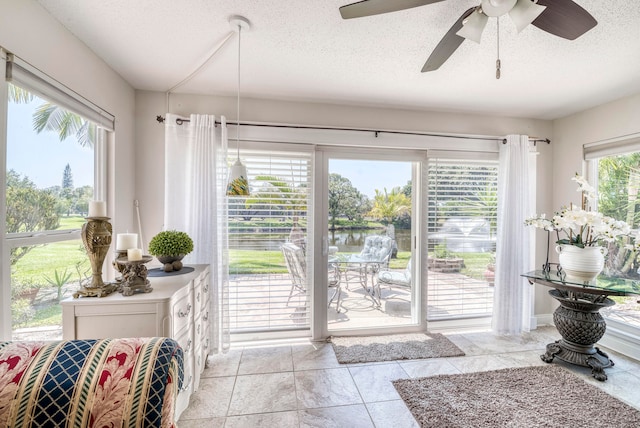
(339, 241)
(370, 233)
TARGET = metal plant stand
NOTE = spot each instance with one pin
(580, 324)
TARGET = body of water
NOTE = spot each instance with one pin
(351, 241)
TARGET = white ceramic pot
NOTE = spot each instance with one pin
(581, 264)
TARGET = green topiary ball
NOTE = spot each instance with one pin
(170, 243)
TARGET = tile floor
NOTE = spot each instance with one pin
(303, 385)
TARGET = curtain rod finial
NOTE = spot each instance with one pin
(160, 119)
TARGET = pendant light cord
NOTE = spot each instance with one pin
(238, 94)
(498, 48)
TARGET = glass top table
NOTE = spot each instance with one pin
(601, 285)
(362, 270)
(578, 319)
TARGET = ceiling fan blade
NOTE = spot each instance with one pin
(564, 18)
(376, 7)
(447, 46)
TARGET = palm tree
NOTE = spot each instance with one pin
(388, 206)
(274, 191)
(51, 117)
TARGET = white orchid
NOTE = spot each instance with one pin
(583, 228)
(583, 186)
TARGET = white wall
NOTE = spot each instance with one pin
(29, 32)
(150, 138)
(611, 120)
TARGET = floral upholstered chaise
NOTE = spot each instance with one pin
(90, 383)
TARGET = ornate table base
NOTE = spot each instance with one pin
(581, 326)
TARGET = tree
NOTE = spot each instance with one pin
(618, 181)
(390, 206)
(67, 179)
(276, 195)
(51, 117)
(484, 203)
(345, 200)
(29, 209)
(67, 189)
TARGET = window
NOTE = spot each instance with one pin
(618, 184)
(53, 154)
(461, 216)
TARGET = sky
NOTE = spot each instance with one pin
(368, 175)
(42, 157)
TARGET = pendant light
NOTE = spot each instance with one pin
(238, 184)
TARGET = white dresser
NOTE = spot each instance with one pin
(178, 307)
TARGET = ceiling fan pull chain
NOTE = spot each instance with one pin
(498, 46)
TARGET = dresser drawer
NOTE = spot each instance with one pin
(201, 292)
(181, 311)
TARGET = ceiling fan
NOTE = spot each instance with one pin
(562, 18)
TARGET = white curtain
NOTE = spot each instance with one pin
(194, 195)
(512, 293)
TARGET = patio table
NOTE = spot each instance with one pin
(363, 270)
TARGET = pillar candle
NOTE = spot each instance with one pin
(97, 209)
(124, 241)
(134, 254)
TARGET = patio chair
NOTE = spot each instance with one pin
(375, 256)
(295, 260)
(396, 279)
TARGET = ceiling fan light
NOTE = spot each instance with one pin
(524, 13)
(497, 7)
(473, 26)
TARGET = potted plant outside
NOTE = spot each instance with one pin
(169, 247)
(444, 261)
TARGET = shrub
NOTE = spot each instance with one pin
(170, 243)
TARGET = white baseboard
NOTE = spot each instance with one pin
(542, 319)
(621, 338)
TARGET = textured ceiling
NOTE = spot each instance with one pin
(303, 50)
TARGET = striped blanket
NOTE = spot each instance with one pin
(90, 383)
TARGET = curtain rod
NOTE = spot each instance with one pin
(534, 140)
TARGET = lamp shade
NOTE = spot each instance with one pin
(238, 185)
(473, 27)
(497, 7)
(524, 12)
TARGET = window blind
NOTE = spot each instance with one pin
(28, 77)
(262, 295)
(461, 233)
(615, 146)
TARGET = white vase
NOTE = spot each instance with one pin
(581, 264)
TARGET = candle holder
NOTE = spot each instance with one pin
(119, 255)
(134, 276)
(96, 237)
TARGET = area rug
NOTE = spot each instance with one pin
(368, 349)
(541, 396)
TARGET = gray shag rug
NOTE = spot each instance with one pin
(368, 349)
(541, 396)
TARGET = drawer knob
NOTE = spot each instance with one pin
(185, 314)
(187, 385)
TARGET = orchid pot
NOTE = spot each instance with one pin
(581, 264)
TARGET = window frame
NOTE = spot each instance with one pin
(66, 98)
(620, 336)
